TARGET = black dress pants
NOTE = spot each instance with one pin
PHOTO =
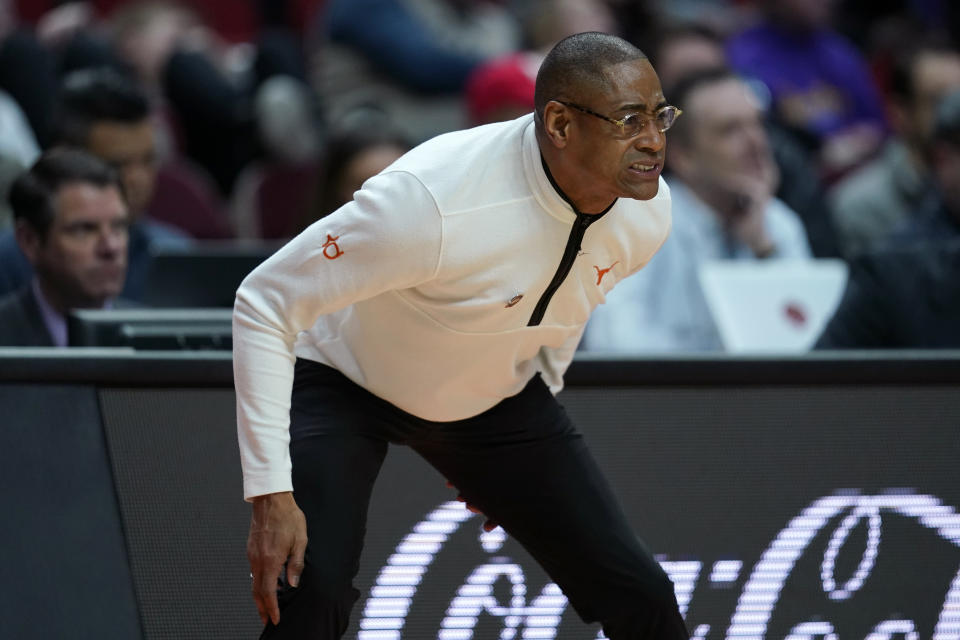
(521, 462)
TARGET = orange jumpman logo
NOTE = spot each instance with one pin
(603, 272)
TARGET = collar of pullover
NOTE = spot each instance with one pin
(566, 198)
(547, 193)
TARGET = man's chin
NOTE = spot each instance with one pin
(96, 298)
(647, 192)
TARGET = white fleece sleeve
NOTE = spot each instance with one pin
(388, 238)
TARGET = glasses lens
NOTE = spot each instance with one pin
(632, 125)
(666, 118)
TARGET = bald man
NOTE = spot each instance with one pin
(439, 310)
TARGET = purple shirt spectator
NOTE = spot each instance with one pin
(818, 82)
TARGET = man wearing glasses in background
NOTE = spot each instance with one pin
(440, 310)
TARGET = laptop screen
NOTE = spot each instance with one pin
(778, 306)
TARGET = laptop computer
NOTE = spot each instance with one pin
(776, 306)
(205, 274)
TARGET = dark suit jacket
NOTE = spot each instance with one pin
(21, 323)
(907, 298)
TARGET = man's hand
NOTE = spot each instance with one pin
(278, 537)
(488, 525)
(746, 217)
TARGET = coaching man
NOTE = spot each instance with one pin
(439, 310)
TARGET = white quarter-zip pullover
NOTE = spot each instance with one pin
(422, 289)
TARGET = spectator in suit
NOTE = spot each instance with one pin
(722, 185)
(872, 202)
(906, 298)
(107, 115)
(938, 217)
(907, 293)
(71, 223)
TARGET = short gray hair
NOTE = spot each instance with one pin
(577, 63)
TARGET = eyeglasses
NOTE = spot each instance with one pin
(632, 124)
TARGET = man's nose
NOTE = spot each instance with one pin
(112, 241)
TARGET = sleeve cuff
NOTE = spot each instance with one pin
(268, 483)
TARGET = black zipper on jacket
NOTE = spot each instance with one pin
(566, 263)
(570, 252)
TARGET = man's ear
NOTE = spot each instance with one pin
(29, 240)
(556, 124)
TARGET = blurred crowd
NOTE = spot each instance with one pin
(812, 130)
